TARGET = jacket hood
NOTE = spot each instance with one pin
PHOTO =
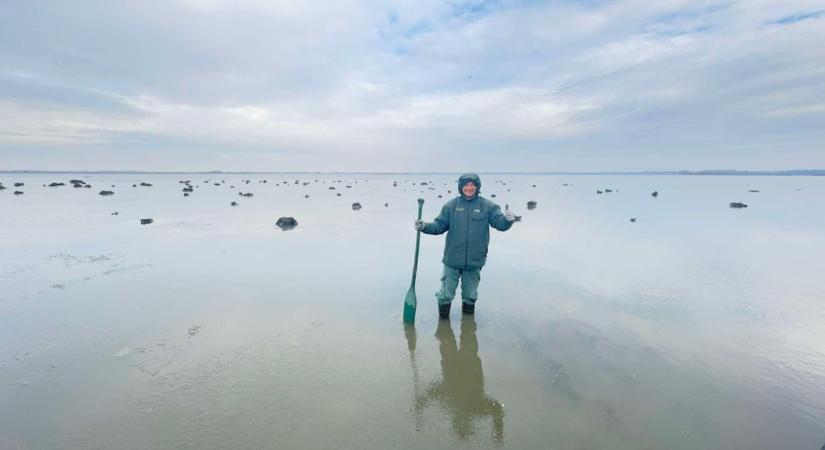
(464, 178)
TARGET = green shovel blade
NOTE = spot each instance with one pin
(409, 306)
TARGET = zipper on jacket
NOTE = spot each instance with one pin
(467, 244)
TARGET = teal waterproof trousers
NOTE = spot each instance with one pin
(449, 282)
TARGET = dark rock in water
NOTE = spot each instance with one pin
(87, 186)
(738, 205)
(633, 219)
(654, 194)
(115, 213)
(247, 194)
(234, 203)
(2, 187)
(439, 195)
(77, 186)
(493, 195)
(531, 204)
(186, 194)
(753, 190)
(608, 191)
(306, 195)
(534, 185)
(217, 184)
(598, 191)
(18, 192)
(331, 188)
(356, 206)
(386, 205)
(349, 187)
(106, 193)
(56, 184)
(339, 194)
(134, 185)
(77, 182)
(145, 184)
(286, 223)
(146, 221)
(18, 184)
(188, 189)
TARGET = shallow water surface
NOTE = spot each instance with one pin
(697, 326)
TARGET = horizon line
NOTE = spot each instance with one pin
(810, 172)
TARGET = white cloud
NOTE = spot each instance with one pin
(329, 81)
(817, 108)
(30, 124)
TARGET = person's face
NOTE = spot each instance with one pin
(469, 189)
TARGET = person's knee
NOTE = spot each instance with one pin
(469, 290)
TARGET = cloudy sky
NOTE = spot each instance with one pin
(412, 85)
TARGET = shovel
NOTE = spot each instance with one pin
(410, 301)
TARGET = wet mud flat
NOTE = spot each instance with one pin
(695, 326)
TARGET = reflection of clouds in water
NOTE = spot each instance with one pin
(666, 275)
(460, 392)
(629, 384)
(696, 319)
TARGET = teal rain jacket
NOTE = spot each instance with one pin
(468, 225)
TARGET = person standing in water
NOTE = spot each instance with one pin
(467, 220)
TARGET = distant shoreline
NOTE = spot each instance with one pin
(801, 172)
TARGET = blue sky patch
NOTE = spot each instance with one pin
(794, 18)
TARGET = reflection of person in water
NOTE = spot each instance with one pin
(461, 391)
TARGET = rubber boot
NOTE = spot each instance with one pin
(444, 311)
(467, 308)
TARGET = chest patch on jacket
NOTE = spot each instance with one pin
(459, 209)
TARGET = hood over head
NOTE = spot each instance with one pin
(466, 177)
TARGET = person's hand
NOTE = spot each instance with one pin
(509, 215)
(419, 225)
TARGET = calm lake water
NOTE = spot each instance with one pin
(696, 327)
